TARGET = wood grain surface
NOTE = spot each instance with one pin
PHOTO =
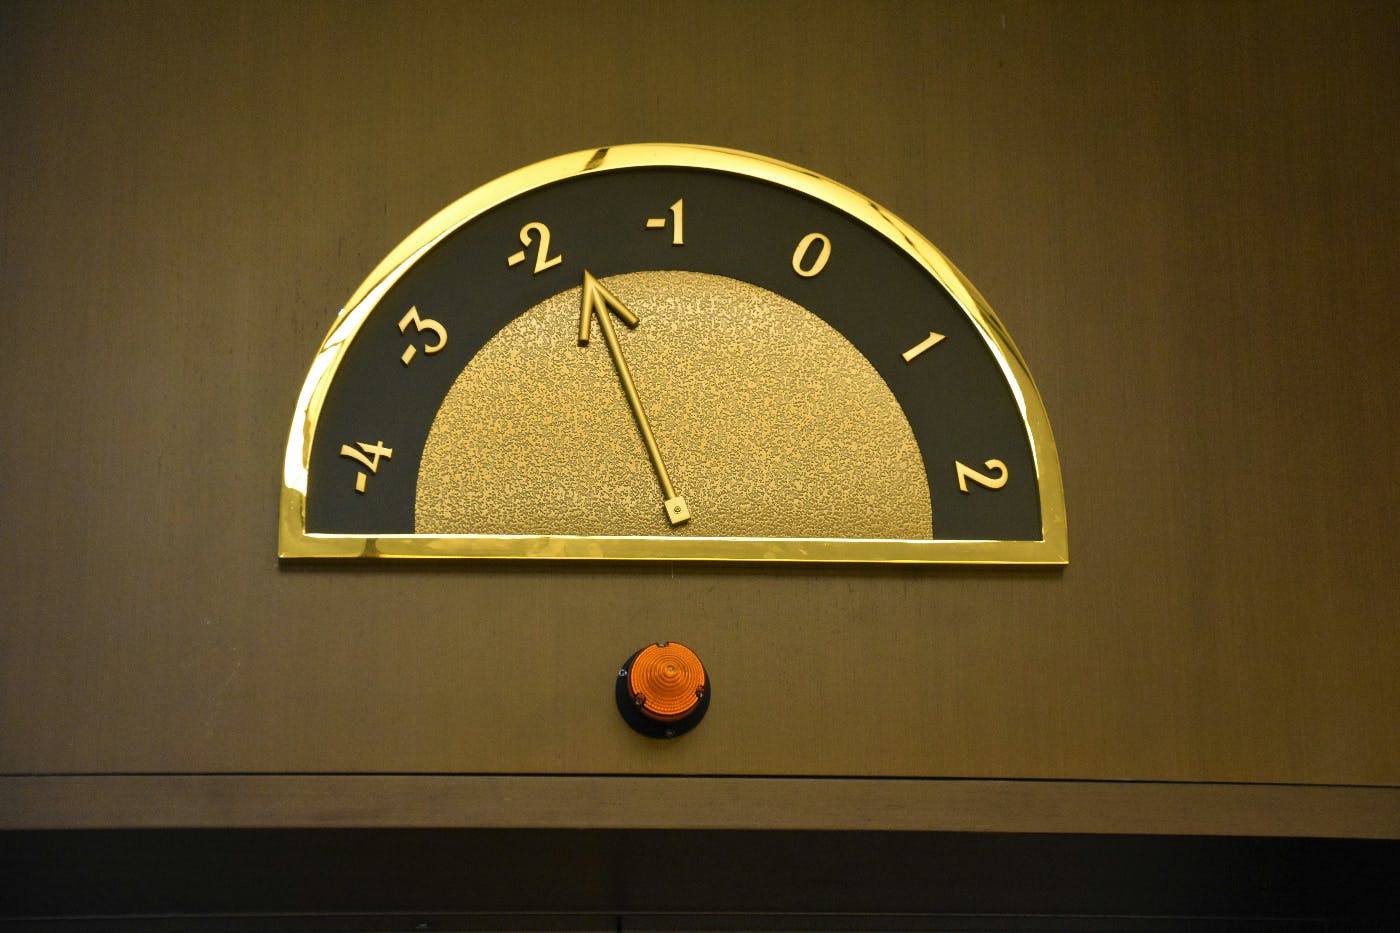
(1185, 214)
(255, 802)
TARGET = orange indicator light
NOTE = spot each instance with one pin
(667, 681)
(663, 690)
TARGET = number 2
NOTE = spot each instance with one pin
(966, 473)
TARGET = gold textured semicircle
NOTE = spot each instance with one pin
(770, 424)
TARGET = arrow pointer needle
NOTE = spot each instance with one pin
(598, 300)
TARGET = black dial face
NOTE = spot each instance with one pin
(672, 352)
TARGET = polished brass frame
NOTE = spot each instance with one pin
(295, 542)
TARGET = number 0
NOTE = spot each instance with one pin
(804, 246)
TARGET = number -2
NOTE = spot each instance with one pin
(527, 237)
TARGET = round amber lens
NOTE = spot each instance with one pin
(667, 681)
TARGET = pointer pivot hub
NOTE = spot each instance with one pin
(677, 511)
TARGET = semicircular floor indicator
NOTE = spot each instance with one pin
(670, 352)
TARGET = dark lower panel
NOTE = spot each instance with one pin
(691, 923)
(677, 880)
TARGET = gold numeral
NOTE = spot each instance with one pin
(371, 462)
(677, 223)
(966, 473)
(800, 254)
(929, 341)
(421, 324)
(527, 239)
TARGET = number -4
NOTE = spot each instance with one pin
(371, 462)
(966, 473)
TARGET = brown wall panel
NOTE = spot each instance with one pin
(1184, 214)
